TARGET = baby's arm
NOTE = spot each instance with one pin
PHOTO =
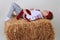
(35, 15)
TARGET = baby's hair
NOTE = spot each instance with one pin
(49, 16)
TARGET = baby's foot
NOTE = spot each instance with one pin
(6, 19)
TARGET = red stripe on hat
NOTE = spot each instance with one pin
(27, 18)
(49, 16)
(20, 14)
(28, 11)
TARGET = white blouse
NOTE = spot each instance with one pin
(34, 15)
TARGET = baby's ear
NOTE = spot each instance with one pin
(28, 11)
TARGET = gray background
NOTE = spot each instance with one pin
(52, 5)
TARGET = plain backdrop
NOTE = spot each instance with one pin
(52, 5)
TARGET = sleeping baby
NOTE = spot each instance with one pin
(28, 14)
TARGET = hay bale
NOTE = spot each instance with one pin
(23, 30)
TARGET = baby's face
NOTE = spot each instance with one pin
(45, 13)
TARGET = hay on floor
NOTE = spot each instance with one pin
(41, 29)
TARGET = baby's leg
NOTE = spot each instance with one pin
(14, 7)
(17, 8)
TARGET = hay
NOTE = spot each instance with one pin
(23, 30)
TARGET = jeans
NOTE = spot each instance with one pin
(14, 8)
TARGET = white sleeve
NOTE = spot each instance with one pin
(34, 15)
(40, 13)
(37, 13)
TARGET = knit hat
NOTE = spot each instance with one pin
(49, 16)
